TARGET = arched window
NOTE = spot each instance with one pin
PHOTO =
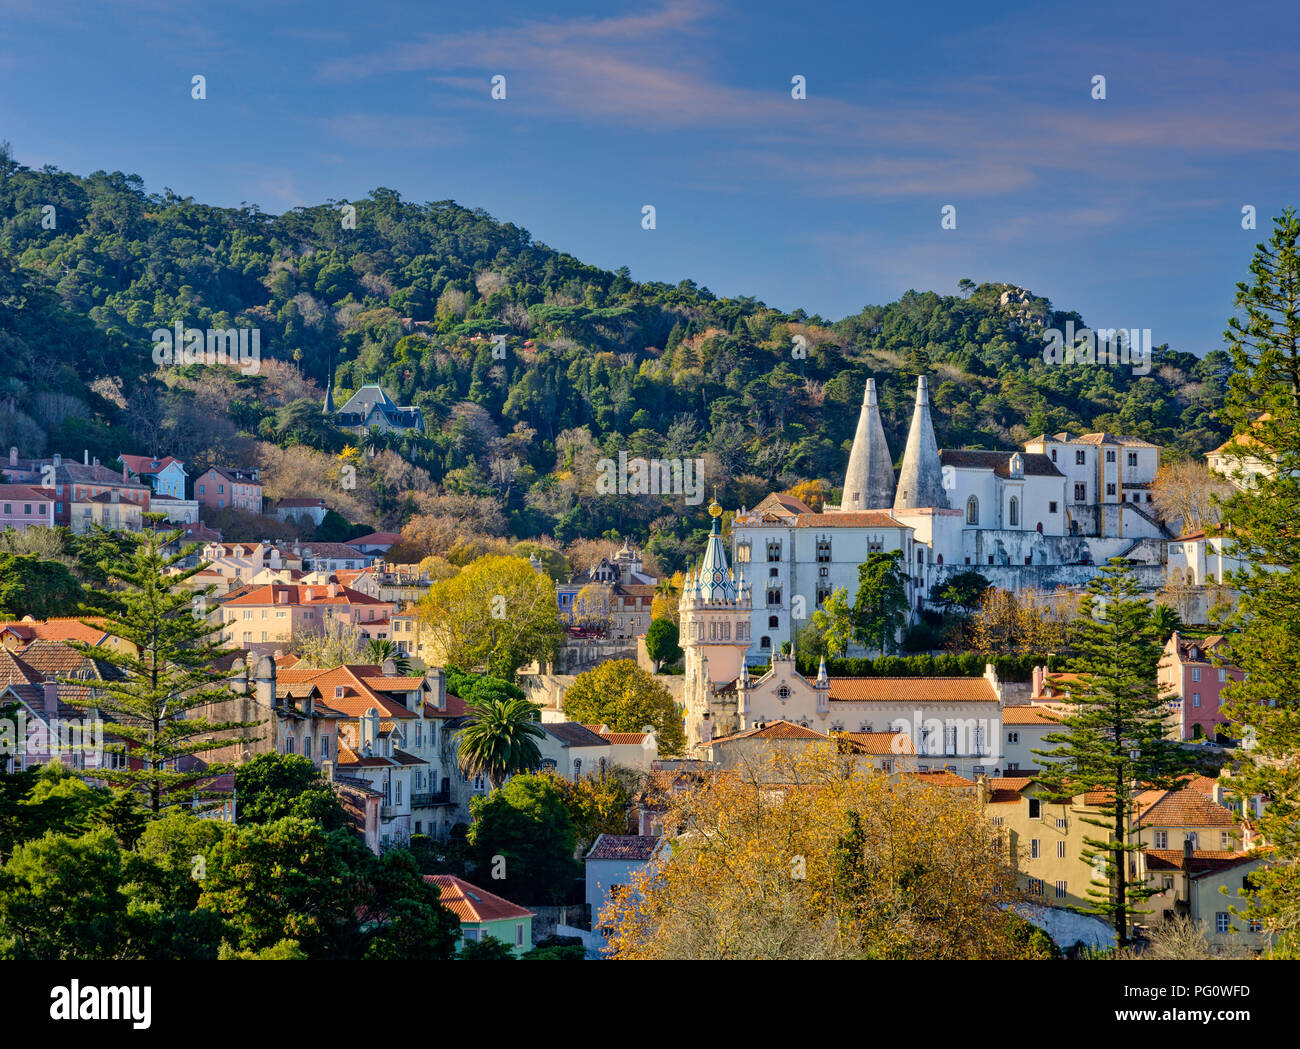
(1013, 516)
(765, 642)
(774, 622)
(972, 511)
(577, 768)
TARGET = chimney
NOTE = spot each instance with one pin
(124, 472)
(439, 682)
(266, 682)
(389, 668)
(85, 457)
(13, 455)
(95, 461)
(50, 697)
(57, 460)
(307, 594)
(334, 590)
(1187, 852)
(1040, 673)
(327, 771)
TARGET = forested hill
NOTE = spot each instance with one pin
(594, 361)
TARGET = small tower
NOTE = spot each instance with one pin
(869, 480)
(920, 480)
(715, 610)
(823, 687)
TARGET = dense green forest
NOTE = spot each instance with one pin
(594, 362)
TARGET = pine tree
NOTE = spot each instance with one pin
(880, 610)
(168, 676)
(1114, 740)
(1261, 523)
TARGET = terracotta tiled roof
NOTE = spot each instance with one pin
(1202, 860)
(13, 671)
(270, 594)
(143, 464)
(624, 739)
(941, 778)
(853, 519)
(358, 697)
(1185, 808)
(773, 730)
(885, 743)
(912, 689)
(471, 904)
(1029, 715)
(396, 684)
(58, 629)
(623, 847)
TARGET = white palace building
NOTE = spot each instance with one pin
(1039, 518)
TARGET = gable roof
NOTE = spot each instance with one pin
(1202, 861)
(471, 904)
(1187, 807)
(146, 466)
(773, 730)
(572, 734)
(60, 628)
(623, 847)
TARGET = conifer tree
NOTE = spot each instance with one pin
(1261, 528)
(169, 675)
(1114, 740)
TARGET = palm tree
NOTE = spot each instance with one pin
(380, 650)
(499, 739)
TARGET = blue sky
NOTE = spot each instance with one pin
(1127, 209)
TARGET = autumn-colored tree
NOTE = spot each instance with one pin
(1186, 494)
(813, 494)
(496, 612)
(805, 856)
(627, 699)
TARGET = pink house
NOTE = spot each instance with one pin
(221, 489)
(1188, 674)
(22, 505)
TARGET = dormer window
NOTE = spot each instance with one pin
(338, 691)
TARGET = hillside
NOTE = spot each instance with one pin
(595, 363)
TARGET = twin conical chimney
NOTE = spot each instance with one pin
(920, 481)
(869, 482)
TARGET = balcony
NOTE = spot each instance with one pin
(388, 812)
(425, 801)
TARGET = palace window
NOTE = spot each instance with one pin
(1110, 455)
(823, 551)
(972, 511)
(1080, 458)
(1080, 493)
(774, 549)
(774, 622)
(1014, 512)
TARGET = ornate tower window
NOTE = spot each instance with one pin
(823, 551)
(1013, 514)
